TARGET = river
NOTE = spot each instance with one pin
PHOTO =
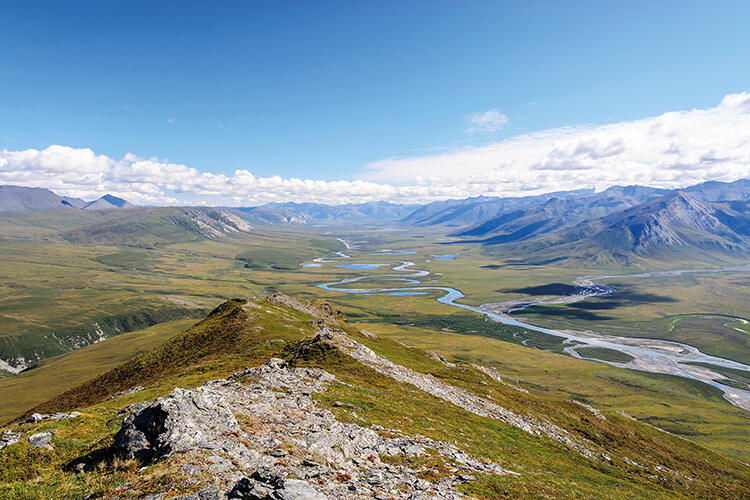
(650, 355)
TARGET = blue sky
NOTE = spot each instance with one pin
(326, 90)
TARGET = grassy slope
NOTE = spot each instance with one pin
(126, 289)
(234, 338)
(690, 409)
(64, 372)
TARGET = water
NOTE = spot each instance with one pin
(444, 257)
(656, 356)
(360, 267)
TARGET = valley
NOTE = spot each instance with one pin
(663, 340)
(653, 356)
(374, 251)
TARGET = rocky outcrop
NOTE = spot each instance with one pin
(42, 439)
(181, 421)
(459, 397)
(132, 390)
(287, 446)
(8, 438)
(267, 482)
(318, 311)
(38, 417)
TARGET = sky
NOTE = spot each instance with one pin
(243, 103)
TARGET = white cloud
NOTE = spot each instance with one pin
(488, 121)
(670, 150)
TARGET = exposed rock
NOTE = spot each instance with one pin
(36, 417)
(182, 420)
(319, 311)
(599, 415)
(437, 357)
(8, 438)
(42, 439)
(459, 397)
(285, 434)
(132, 390)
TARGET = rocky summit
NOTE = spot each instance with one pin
(285, 436)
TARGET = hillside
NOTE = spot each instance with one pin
(148, 227)
(319, 406)
(672, 228)
(555, 214)
(16, 198)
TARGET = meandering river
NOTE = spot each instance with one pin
(650, 355)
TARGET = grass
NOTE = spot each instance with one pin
(56, 375)
(690, 409)
(604, 354)
(58, 296)
(58, 285)
(237, 336)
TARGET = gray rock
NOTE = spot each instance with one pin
(42, 439)
(8, 438)
(155, 496)
(173, 424)
(132, 390)
(60, 416)
(294, 489)
(36, 417)
(249, 489)
(210, 493)
(266, 483)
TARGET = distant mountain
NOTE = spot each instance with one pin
(720, 191)
(668, 227)
(148, 227)
(470, 211)
(15, 198)
(555, 213)
(674, 219)
(106, 202)
(306, 213)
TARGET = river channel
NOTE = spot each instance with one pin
(650, 355)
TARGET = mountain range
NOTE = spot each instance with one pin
(620, 221)
(20, 198)
(316, 213)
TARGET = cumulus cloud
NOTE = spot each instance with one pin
(671, 150)
(488, 121)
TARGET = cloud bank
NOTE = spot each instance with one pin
(671, 150)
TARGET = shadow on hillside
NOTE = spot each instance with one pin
(564, 312)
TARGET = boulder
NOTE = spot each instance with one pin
(184, 420)
(8, 438)
(35, 418)
(269, 483)
(42, 439)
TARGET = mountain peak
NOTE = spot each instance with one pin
(107, 201)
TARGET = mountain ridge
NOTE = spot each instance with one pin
(284, 388)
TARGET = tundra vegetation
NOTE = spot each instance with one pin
(60, 296)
